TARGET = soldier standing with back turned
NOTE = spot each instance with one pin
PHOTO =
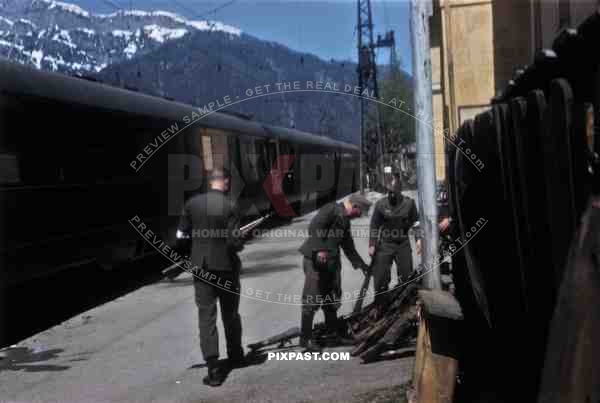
(329, 230)
(389, 243)
(213, 211)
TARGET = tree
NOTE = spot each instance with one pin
(398, 123)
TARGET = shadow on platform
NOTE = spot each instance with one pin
(250, 361)
(22, 359)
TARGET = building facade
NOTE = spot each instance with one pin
(476, 45)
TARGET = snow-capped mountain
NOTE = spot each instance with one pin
(196, 62)
(58, 36)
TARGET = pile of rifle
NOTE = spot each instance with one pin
(381, 327)
(376, 330)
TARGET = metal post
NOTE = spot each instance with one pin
(362, 105)
(421, 10)
(362, 156)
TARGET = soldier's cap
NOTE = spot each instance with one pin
(360, 201)
(219, 173)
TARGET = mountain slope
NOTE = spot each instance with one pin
(196, 62)
(63, 37)
(201, 68)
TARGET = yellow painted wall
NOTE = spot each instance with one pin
(471, 56)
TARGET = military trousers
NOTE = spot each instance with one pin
(387, 253)
(322, 288)
(207, 294)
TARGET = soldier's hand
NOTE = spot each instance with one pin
(371, 250)
(444, 224)
(322, 257)
(419, 247)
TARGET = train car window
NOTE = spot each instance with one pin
(206, 145)
(9, 169)
(16, 144)
(288, 152)
(284, 151)
(271, 154)
(114, 141)
(216, 150)
(249, 158)
(261, 149)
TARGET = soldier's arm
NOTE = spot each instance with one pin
(413, 217)
(235, 240)
(376, 223)
(413, 214)
(351, 253)
(319, 227)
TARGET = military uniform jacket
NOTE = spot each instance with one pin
(391, 223)
(329, 230)
(213, 225)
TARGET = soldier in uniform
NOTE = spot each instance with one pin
(445, 220)
(217, 255)
(389, 243)
(328, 231)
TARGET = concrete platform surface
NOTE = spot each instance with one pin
(144, 347)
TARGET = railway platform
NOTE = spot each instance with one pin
(144, 347)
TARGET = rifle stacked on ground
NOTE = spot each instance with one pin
(386, 326)
(375, 329)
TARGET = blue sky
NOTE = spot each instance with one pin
(324, 28)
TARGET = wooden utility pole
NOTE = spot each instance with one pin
(421, 11)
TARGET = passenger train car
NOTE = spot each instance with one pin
(72, 178)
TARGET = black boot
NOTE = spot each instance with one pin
(236, 359)
(337, 329)
(331, 321)
(215, 376)
(306, 340)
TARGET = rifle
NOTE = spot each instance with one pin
(363, 289)
(365, 285)
(281, 339)
(250, 226)
(320, 332)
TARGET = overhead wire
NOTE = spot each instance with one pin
(205, 16)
